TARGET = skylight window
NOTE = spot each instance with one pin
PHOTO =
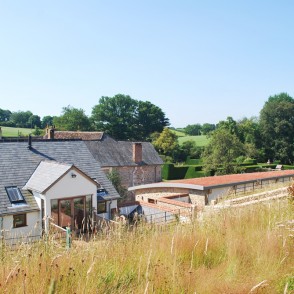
(15, 195)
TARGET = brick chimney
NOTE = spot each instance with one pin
(50, 133)
(137, 152)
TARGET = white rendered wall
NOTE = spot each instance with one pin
(68, 187)
(33, 227)
(107, 215)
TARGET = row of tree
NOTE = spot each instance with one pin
(120, 116)
(271, 136)
(198, 129)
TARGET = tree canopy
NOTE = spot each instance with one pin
(4, 115)
(221, 152)
(125, 118)
(72, 119)
(21, 118)
(277, 127)
(166, 143)
(193, 130)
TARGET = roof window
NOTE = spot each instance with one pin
(14, 194)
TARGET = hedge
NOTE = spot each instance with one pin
(191, 161)
(171, 172)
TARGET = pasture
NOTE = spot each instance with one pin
(15, 132)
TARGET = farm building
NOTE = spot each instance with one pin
(137, 163)
(199, 192)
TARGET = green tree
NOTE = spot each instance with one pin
(125, 118)
(249, 134)
(21, 118)
(34, 121)
(207, 128)
(187, 148)
(115, 179)
(150, 118)
(115, 115)
(229, 124)
(37, 131)
(4, 115)
(221, 152)
(72, 119)
(166, 143)
(47, 121)
(193, 130)
(277, 127)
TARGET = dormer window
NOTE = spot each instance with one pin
(15, 196)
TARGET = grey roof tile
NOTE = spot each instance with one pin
(46, 174)
(110, 152)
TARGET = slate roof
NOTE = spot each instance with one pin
(111, 153)
(18, 163)
(46, 174)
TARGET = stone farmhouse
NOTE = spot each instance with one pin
(51, 179)
(137, 163)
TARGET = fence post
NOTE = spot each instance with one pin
(165, 216)
(68, 237)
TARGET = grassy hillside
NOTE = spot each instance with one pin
(199, 140)
(179, 133)
(231, 252)
(15, 132)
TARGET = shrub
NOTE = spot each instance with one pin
(193, 161)
(7, 124)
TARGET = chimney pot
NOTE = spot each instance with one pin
(30, 142)
(51, 133)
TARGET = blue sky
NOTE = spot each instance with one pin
(200, 61)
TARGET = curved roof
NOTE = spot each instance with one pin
(217, 181)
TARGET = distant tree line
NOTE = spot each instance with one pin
(198, 129)
(267, 137)
(121, 116)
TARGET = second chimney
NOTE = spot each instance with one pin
(137, 152)
(51, 133)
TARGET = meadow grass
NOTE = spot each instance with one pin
(229, 252)
(15, 132)
(201, 141)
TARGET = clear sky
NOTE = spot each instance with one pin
(200, 61)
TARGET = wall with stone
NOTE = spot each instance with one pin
(139, 175)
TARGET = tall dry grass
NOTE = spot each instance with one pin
(231, 252)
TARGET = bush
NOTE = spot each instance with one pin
(193, 161)
(171, 172)
(250, 161)
(7, 124)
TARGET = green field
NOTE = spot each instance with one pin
(200, 141)
(15, 132)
